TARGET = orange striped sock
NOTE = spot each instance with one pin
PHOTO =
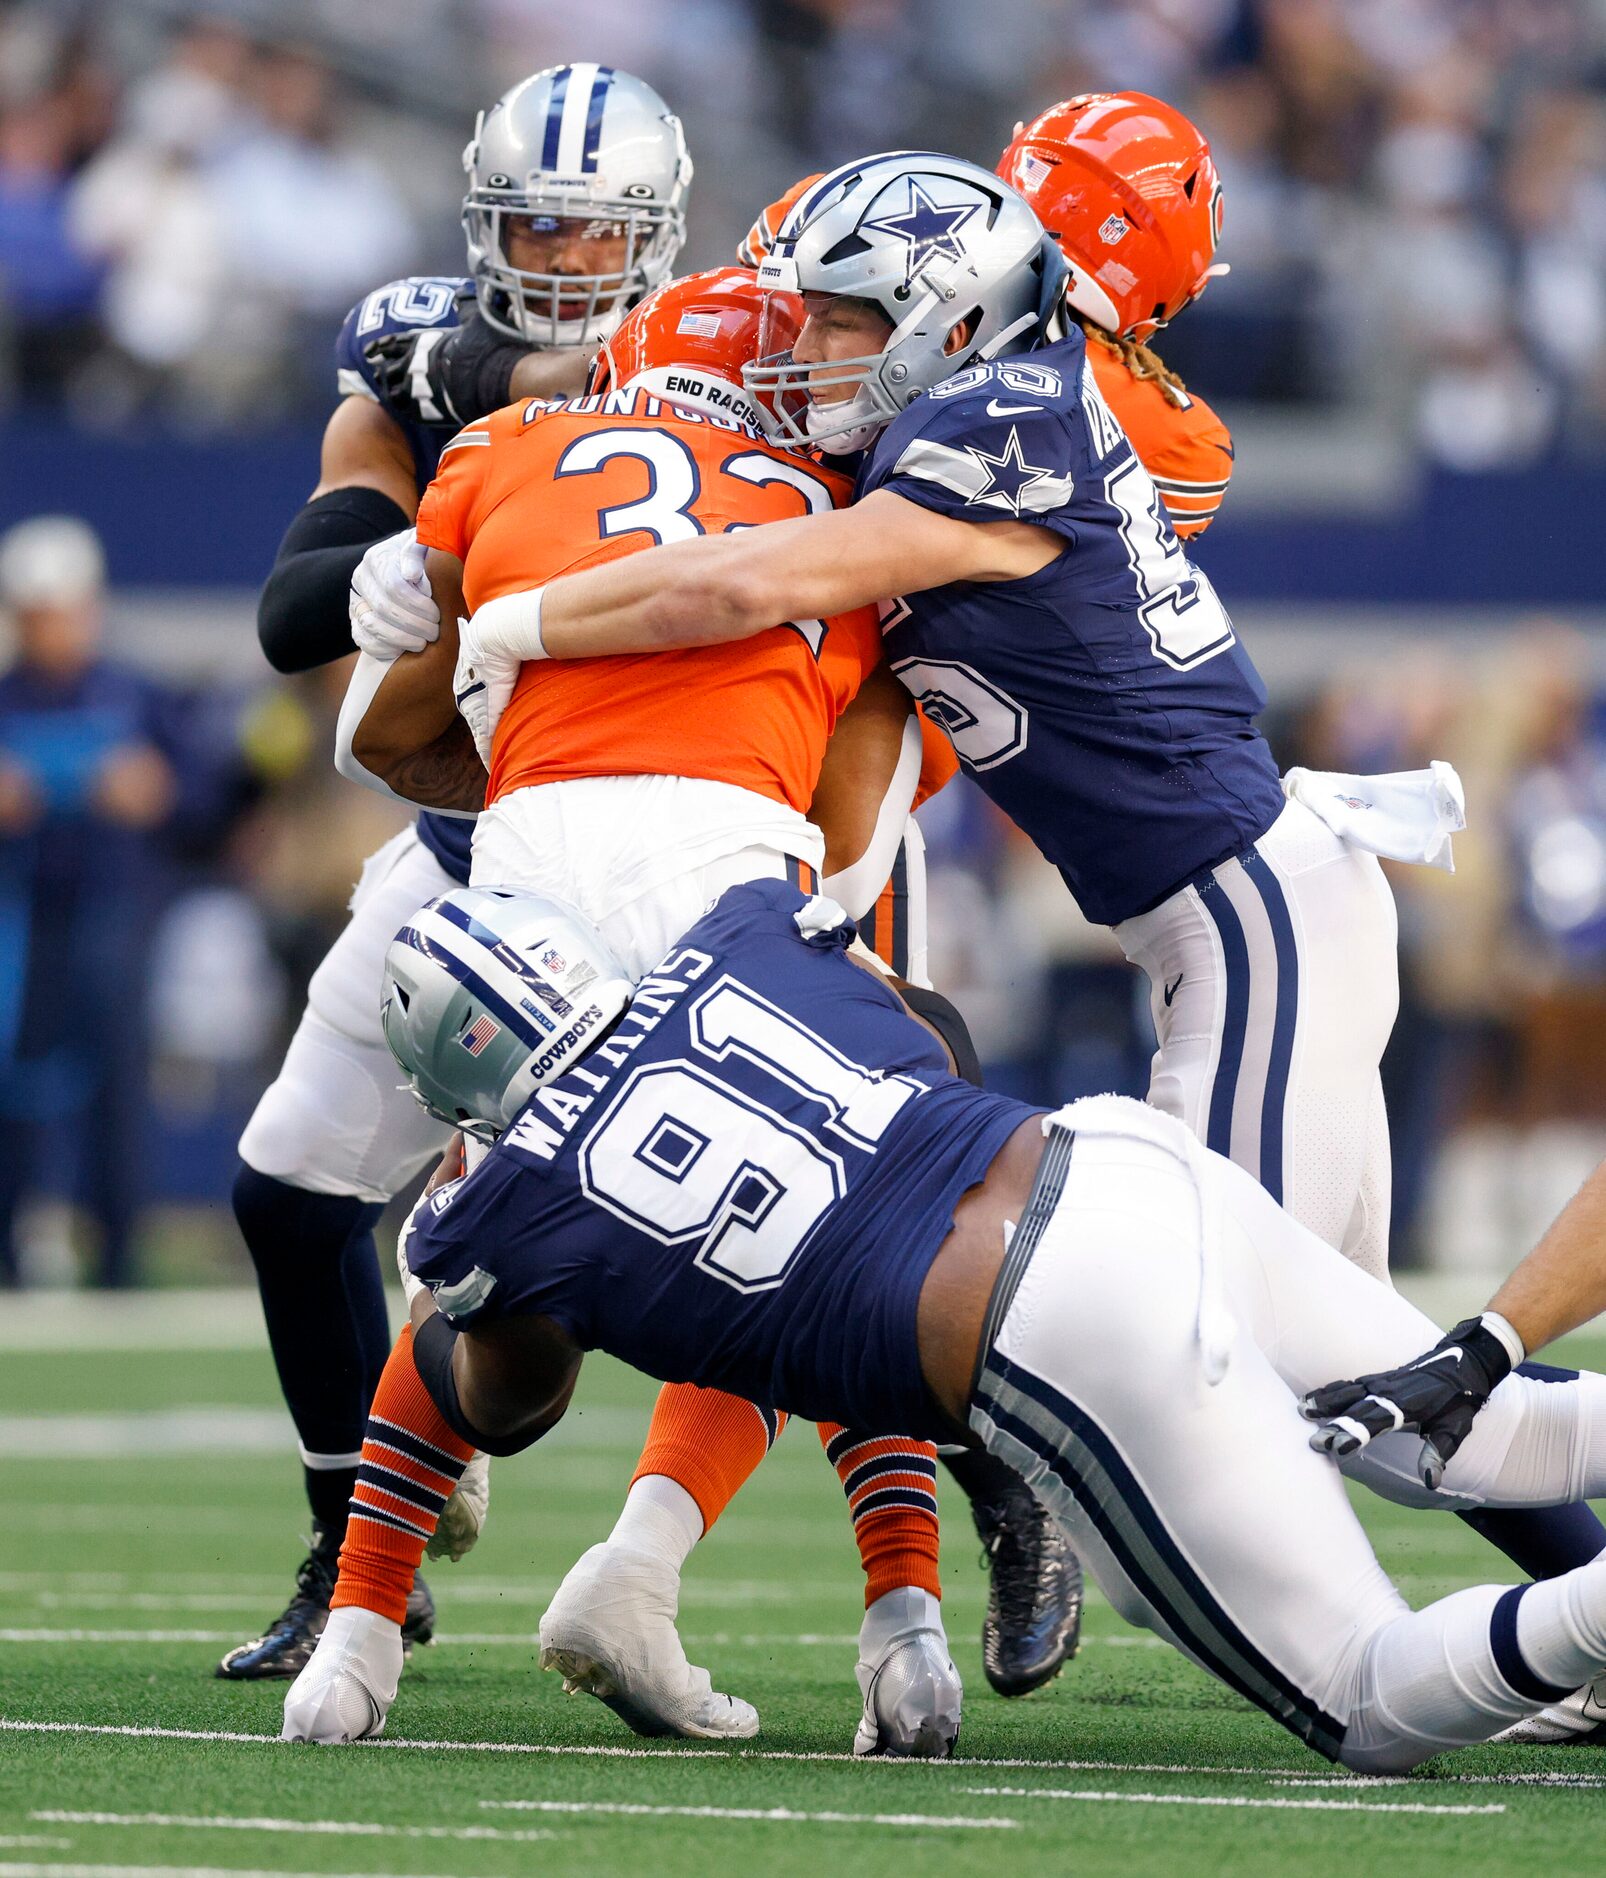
(708, 1442)
(891, 1484)
(411, 1461)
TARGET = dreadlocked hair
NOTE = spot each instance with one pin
(1138, 360)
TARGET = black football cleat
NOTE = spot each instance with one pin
(281, 1652)
(1034, 1608)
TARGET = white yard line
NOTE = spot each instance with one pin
(159, 1871)
(682, 1751)
(1219, 1799)
(339, 1828)
(783, 1815)
(136, 1434)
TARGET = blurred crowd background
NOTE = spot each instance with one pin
(1411, 350)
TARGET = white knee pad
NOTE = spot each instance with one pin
(338, 1119)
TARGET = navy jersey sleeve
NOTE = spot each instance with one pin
(509, 1215)
(407, 305)
(984, 448)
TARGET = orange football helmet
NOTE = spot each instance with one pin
(689, 339)
(1127, 187)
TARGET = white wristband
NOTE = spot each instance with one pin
(1497, 1326)
(511, 625)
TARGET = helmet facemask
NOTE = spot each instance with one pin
(881, 384)
(549, 309)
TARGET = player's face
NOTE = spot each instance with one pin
(568, 247)
(838, 327)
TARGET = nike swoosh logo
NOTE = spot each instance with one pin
(995, 409)
(1226, 449)
(1454, 1354)
(1171, 989)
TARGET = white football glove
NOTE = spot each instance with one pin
(463, 1518)
(483, 683)
(392, 608)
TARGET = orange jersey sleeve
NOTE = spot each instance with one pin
(559, 487)
(761, 236)
(1187, 451)
(938, 763)
(450, 504)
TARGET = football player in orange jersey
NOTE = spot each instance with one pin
(1127, 187)
(638, 790)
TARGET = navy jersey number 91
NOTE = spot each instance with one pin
(723, 1192)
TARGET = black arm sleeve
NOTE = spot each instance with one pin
(944, 1018)
(303, 616)
(433, 1343)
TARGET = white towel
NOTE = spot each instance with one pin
(1407, 816)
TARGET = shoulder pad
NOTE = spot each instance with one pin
(407, 305)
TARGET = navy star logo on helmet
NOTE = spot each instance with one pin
(927, 227)
(1009, 476)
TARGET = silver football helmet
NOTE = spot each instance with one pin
(583, 150)
(931, 241)
(490, 995)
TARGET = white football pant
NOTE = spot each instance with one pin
(1203, 1511)
(641, 857)
(1273, 983)
(338, 1118)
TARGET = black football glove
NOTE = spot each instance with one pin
(1438, 1396)
(446, 375)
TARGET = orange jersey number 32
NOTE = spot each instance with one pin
(540, 490)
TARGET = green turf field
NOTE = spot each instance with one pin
(150, 1523)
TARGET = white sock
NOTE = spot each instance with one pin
(1473, 1663)
(661, 1518)
(1561, 1627)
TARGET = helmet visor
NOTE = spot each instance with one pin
(555, 276)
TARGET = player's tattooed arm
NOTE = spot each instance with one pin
(445, 774)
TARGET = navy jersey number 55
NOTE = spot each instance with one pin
(722, 1192)
(1104, 702)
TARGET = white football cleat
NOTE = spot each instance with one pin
(349, 1683)
(912, 1692)
(462, 1519)
(1570, 1723)
(610, 1632)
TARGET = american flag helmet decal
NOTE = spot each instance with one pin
(479, 1034)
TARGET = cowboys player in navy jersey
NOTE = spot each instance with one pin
(754, 1171)
(1037, 602)
(575, 209)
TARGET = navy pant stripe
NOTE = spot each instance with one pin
(554, 120)
(1270, 889)
(900, 912)
(1235, 1023)
(1125, 1517)
(599, 95)
(1508, 1656)
(515, 1021)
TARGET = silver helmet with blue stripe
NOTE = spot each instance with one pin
(576, 161)
(936, 245)
(490, 995)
